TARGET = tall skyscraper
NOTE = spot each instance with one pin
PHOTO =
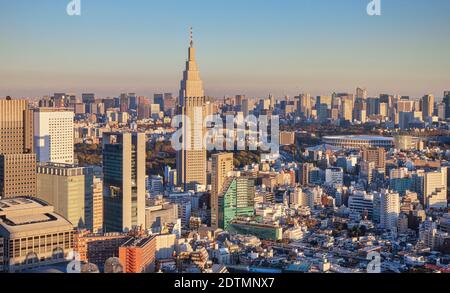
(94, 203)
(326, 100)
(361, 93)
(427, 106)
(245, 107)
(16, 126)
(124, 181)
(304, 105)
(360, 109)
(447, 104)
(191, 159)
(133, 101)
(389, 209)
(17, 158)
(222, 165)
(191, 84)
(169, 102)
(347, 109)
(373, 106)
(159, 99)
(53, 135)
(389, 108)
(124, 103)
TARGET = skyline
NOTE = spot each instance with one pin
(351, 182)
(328, 47)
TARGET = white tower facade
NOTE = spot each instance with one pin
(191, 159)
(389, 209)
(53, 135)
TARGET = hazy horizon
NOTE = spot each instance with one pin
(243, 47)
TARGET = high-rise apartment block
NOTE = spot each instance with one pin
(389, 209)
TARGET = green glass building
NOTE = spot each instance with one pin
(237, 200)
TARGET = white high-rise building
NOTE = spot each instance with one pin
(389, 209)
(435, 189)
(334, 176)
(54, 135)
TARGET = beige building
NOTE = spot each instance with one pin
(376, 155)
(222, 166)
(191, 159)
(347, 109)
(94, 210)
(64, 187)
(17, 175)
(165, 246)
(17, 160)
(287, 138)
(75, 192)
(16, 127)
(435, 189)
(33, 234)
(157, 216)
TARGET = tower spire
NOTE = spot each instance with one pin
(191, 37)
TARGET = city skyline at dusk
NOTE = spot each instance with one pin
(280, 48)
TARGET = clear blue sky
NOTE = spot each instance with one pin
(254, 47)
